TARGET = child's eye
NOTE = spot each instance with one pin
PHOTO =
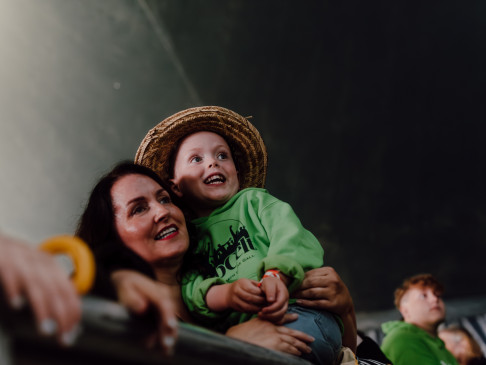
(222, 156)
(196, 159)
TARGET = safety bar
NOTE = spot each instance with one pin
(111, 335)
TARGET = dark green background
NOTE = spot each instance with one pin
(373, 115)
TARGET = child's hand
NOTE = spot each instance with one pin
(244, 295)
(277, 296)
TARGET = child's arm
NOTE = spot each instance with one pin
(242, 295)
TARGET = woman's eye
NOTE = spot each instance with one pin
(138, 209)
(164, 200)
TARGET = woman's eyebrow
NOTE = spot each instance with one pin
(136, 200)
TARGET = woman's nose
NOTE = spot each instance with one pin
(161, 212)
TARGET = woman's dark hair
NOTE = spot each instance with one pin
(97, 228)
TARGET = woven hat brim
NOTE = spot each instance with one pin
(247, 145)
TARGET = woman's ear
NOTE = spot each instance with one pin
(175, 188)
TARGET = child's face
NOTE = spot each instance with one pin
(205, 175)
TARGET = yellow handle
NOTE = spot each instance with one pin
(80, 254)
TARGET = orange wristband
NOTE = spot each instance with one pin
(270, 274)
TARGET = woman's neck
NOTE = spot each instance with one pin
(168, 275)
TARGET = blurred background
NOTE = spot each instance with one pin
(373, 115)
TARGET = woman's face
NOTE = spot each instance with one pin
(147, 221)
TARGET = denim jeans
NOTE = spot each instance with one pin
(324, 327)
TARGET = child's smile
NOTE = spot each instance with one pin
(215, 179)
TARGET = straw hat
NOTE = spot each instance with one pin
(246, 144)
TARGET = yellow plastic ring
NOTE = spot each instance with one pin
(80, 254)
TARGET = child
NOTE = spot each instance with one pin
(258, 251)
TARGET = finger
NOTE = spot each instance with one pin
(253, 287)
(299, 335)
(160, 298)
(168, 324)
(280, 304)
(39, 286)
(60, 301)
(270, 289)
(289, 317)
(313, 293)
(276, 315)
(250, 296)
(39, 306)
(295, 345)
(69, 314)
(13, 273)
(12, 288)
(244, 306)
(287, 346)
(315, 304)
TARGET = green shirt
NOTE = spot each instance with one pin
(407, 344)
(251, 233)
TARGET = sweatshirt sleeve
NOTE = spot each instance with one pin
(194, 290)
(293, 249)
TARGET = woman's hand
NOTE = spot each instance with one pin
(138, 293)
(322, 288)
(28, 274)
(266, 334)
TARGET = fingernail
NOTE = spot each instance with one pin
(48, 327)
(172, 323)
(69, 338)
(168, 342)
(17, 302)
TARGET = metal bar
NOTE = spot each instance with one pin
(110, 333)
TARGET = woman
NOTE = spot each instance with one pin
(132, 222)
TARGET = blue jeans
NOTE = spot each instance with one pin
(324, 328)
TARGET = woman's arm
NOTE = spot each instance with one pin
(138, 293)
(322, 288)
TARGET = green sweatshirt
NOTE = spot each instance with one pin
(251, 233)
(407, 344)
